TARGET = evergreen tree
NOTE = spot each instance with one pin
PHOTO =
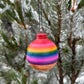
(62, 20)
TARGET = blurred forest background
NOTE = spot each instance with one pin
(62, 20)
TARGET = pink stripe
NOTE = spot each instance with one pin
(42, 44)
(42, 60)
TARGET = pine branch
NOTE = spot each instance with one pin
(81, 4)
(56, 76)
(1, 5)
(16, 5)
(8, 2)
(59, 64)
(26, 39)
(24, 78)
(59, 25)
(76, 75)
(70, 37)
(72, 45)
(73, 60)
(5, 54)
(35, 82)
(46, 17)
(19, 10)
(69, 3)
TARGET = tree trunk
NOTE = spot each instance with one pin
(72, 80)
(59, 64)
(60, 70)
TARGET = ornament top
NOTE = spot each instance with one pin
(41, 36)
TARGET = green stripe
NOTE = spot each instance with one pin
(47, 54)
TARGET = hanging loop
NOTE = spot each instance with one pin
(40, 8)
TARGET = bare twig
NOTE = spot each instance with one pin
(56, 76)
(26, 39)
(73, 9)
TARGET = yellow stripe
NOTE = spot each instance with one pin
(42, 50)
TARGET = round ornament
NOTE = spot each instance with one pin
(42, 53)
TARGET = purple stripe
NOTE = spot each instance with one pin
(42, 60)
(44, 63)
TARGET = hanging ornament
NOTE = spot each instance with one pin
(42, 53)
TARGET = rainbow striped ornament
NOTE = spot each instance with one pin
(42, 53)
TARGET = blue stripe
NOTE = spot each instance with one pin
(47, 54)
(45, 63)
(44, 57)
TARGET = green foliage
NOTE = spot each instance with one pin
(69, 3)
(6, 77)
(14, 76)
(81, 4)
(12, 16)
(8, 2)
(34, 4)
(1, 5)
(35, 82)
(12, 45)
(5, 37)
(8, 44)
(12, 49)
(52, 11)
(66, 50)
(67, 67)
(16, 11)
(24, 78)
(51, 39)
(19, 11)
(29, 14)
(27, 1)
(11, 75)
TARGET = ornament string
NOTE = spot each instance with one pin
(40, 14)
